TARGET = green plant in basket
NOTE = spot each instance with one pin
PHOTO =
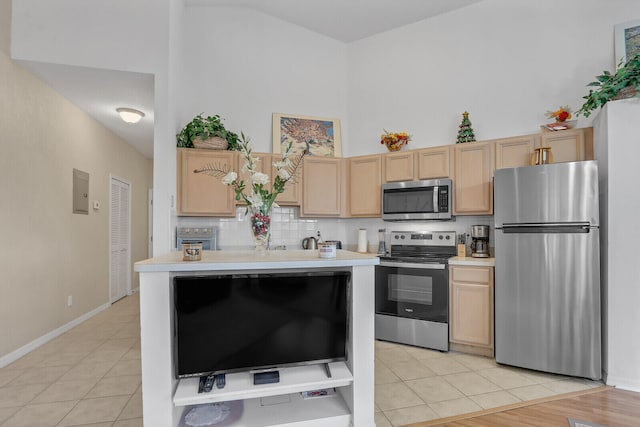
(205, 128)
(624, 83)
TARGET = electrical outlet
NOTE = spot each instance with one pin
(69, 300)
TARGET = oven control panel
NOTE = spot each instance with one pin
(423, 238)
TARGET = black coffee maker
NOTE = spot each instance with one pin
(480, 241)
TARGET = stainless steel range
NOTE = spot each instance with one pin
(412, 289)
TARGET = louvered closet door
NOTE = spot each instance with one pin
(120, 269)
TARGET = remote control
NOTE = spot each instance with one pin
(208, 384)
(221, 380)
(201, 383)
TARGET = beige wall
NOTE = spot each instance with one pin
(46, 252)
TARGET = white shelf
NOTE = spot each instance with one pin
(240, 385)
(291, 411)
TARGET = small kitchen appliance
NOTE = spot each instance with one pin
(382, 245)
(417, 200)
(310, 243)
(480, 241)
(412, 289)
(207, 236)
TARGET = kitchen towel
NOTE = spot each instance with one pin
(362, 240)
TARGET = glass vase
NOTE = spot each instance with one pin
(260, 223)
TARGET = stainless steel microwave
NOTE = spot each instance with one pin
(417, 200)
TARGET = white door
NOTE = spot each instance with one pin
(120, 239)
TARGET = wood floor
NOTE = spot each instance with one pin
(606, 406)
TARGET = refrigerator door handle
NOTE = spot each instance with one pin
(573, 227)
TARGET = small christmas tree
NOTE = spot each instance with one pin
(465, 133)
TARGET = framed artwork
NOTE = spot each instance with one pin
(627, 40)
(321, 136)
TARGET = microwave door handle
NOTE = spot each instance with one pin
(435, 199)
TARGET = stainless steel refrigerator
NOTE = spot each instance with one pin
(547, 278)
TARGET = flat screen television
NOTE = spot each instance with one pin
(241, 322)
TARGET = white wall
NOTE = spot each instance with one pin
(245, 65)
(617, 127)
(505, 62)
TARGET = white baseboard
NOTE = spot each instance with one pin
(623, 383)
(27, 348)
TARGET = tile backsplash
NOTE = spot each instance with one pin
(288, 229)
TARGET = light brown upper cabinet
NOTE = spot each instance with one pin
(322, 190)
(365, 178)
(201, 194)
(435, 162)
(473, 182)
(515, 152)
(569, 145)
(399, 166)
(291, 194)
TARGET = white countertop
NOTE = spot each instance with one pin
(470, 261)
(249, 260)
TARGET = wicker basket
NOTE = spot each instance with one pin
(626, 92)
(213, 143)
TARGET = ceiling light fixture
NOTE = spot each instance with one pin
(130, 115)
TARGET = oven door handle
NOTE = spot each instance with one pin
(422, 266)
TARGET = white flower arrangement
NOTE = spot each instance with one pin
(260, 197)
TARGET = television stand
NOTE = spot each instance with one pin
(166, 399)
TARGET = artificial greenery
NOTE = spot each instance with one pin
(206, 127)
(609, 85)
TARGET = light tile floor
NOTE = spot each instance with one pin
(415, 384)
(90, 376)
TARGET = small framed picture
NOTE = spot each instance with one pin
(321, 136)
(627, 40)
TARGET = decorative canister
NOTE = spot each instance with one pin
(191, 251)
(327, 250)
(542, 156)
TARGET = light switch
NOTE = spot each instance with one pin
(96, 205)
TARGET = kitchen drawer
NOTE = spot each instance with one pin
(470, 274)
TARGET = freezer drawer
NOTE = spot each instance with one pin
(555, 193)
(547, 302)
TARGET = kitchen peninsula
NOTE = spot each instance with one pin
(166, 399)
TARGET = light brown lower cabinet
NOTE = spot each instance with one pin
(471, 309)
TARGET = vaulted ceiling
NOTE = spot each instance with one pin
(99, 92)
